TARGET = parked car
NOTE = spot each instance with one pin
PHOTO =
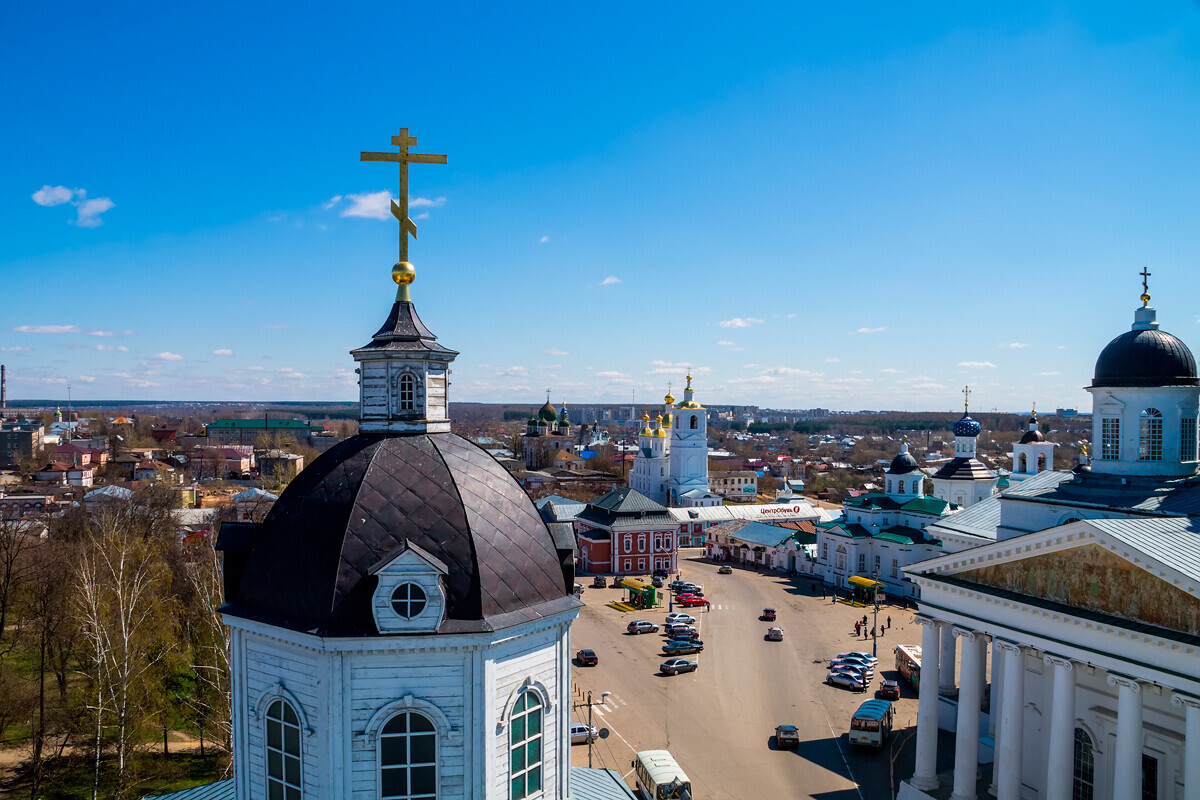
(679, 647)
(641, 626)
(690, 600)
(852, 661)
(578, 590)
(775, 634)
(674, 666)
(616, 581)
(859, 654)
(863, 678)
(680, 618)
(681, 631)
(888, 690)
(841, 666)
(599, 582)
(787, 736)
(661, 573)
(768, 614)
(675, 584)
(845, 679)
(582, 733)
(656, 582)
(725, 569)
(696, 590)
(587, 658)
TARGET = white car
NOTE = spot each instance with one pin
(860, 655)
(679, 618)
(845, 679)
(581, 733)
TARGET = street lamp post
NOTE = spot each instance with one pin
(589, 704)
(875, 630)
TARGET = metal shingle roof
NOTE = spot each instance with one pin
(221, 790)
(1173, 541)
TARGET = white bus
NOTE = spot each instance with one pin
(659, 777)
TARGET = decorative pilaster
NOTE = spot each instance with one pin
(1127, 763)
(925, 776)
(1007, 767)
(970, 693)
(1061, 738)
(1191, 744)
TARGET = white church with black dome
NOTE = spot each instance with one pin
(400, 621)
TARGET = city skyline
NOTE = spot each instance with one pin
(809, 209)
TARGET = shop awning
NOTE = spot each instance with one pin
(858, 580)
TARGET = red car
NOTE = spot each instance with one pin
(690, 600)
(888, 690)
(768, 614)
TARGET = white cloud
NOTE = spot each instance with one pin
(1015, 345)
(169, 356)
(724, 343)
(255, 368)
(369, 205)
(141, 384)
(856, 372)
(543, 240)
(776, 371)
(53, 195)
(554, 351)
(46, 329)
(54, 380)
(1062, 347)
(977, 364)
(330, 203)
(105, 334)
(89, 210)
(871, 330)
(667, 368)
(890, 371)
(833, 361)
(1047, 374)
(120, 348)
(512, 372)
(120, 374)
(14, 349)
(293, 375)
(611, 280)
(426, 202)
(611, 374)
(740, 322)
(224, 351)
(87, 378)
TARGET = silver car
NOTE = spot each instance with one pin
(582, 733)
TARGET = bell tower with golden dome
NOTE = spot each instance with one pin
(689, 450)
(403, 372)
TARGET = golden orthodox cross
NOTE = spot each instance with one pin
(966, 397)
(1145, 286)
(404, 158)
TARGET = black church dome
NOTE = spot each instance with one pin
(903, 463)
(1145, 357)
(1032, 437)
(308, 566)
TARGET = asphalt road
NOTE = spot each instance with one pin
(719, 721)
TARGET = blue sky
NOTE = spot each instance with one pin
(859, 207)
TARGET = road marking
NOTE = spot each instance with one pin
(622, 699)
(838, 744)
(599, 710)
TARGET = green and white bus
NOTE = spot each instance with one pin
(872, 723)
(659, 777)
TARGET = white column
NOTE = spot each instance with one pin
(949, 647)
(1060, 740)
(1127, 763)
(994, 692)
(925, 777)
(1006, 769)
(1191, 745)
(970, 693)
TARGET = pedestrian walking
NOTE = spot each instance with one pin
(856, 628)
(864, 619)
(822, 591)
(889, 622)
(881, 630)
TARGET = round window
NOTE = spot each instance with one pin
(408, 600)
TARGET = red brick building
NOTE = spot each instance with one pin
(625, 532)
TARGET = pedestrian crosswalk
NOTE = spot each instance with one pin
(610, 704)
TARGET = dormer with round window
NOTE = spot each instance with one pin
(409, 595)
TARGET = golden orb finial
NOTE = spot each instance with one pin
(403, 273)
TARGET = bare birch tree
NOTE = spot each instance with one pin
(209, 638)
(128, 628)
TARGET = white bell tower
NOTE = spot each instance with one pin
(689, 447)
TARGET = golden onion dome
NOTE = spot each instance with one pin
(690, 404)
(669, 399)
(661, 433)
(645, 417)
(658, 418)
(646, 432)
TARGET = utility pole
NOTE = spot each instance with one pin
(589, 704)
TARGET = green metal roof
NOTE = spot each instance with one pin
(894, 538)
(259, 422)
(926, 505)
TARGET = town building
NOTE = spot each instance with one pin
(759, 544)
(671, 463)
(399, 622)
(64, 473)
(963, 480)
(22, 439)
(1085, 602)
(880, 533)
(1032, 454)
(547, 432)
(738, 485)
(250, 431)
(625, 532)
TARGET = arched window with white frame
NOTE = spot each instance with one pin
(1083, 771)
(408, 758)
(285, 780)
(1150, 430)
(525, 747)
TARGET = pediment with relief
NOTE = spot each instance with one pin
(1094, 578)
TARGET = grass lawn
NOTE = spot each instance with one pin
(71, 778)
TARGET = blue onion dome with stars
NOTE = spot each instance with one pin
(967, 427)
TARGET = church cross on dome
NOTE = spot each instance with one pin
(404, 273)
(1145, 273)
(966, 398)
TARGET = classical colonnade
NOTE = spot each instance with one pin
(937, 674)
